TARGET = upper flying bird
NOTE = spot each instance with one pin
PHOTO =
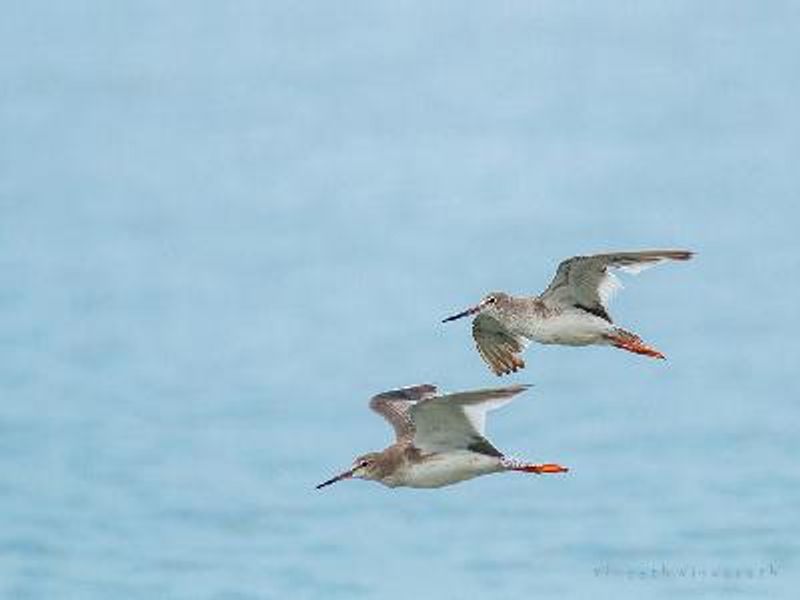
(572, 311)
(440, 439)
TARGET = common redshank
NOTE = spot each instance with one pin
(572, 311)
(440, 439)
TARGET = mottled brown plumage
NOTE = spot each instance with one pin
(573, 310)
(439, 439)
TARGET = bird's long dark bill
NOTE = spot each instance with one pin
(464, 313)
(346, 475)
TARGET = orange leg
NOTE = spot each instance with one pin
(633, 343)
(539, 469)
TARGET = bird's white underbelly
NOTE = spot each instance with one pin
(571, 328)
(446, 468)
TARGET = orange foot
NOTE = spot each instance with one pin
(545, 468)
(633, 343)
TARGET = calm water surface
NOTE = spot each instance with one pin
(225, 227)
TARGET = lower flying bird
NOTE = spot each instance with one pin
(440, 439)
(572, 311)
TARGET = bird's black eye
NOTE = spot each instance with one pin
(491, 300)
(364, 463)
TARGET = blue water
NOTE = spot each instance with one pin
(225, 226)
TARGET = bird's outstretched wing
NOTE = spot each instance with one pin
(394, 406)
(585, 281)
(458, 421)
(498, 347)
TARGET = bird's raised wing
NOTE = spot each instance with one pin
(585, 281)
(498, 347)
(394, 406)
(458, 421)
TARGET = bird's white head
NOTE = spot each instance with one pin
(365, 466)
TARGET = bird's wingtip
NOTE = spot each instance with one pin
(519, 388)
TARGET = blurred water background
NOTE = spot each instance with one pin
(226, 225)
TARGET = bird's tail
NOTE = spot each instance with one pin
(631, 342)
